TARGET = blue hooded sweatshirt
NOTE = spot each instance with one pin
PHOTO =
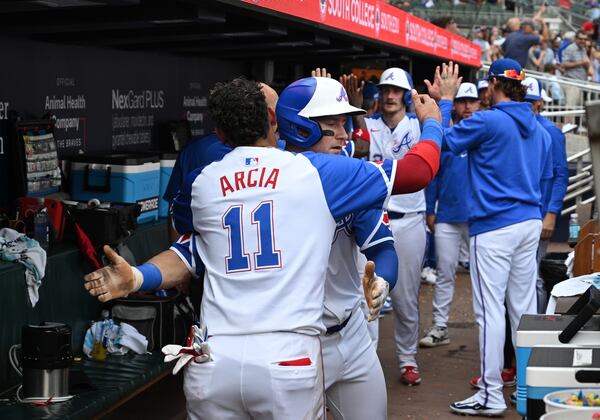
(449, 189)
(554, 193)
(509, 156)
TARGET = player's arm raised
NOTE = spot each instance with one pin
(118, 279)
(420, 165)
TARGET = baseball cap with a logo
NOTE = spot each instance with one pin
(535, 92)
(467, 91)
(395, 76)
(507, 68)
(482, 83)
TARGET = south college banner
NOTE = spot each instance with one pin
(380, 21)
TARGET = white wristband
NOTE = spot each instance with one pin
(138, 279)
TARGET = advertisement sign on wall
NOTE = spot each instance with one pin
(379, 21)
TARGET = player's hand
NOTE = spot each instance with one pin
(426, 107)
(354, 89)
(434, 88)
(113, 281)
(320, 72)
(449, 80)
(430, 220)
(376, 290)
(548, 225)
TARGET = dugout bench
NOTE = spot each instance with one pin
(100, 386)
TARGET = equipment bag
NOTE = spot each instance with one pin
(162, 320)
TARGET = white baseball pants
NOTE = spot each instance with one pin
(409, 240)
(503, 266)
(246, 379)
(354, 381)
(448, 240)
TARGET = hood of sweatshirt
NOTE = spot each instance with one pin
(521, 114)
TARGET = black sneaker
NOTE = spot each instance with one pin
(471, 407)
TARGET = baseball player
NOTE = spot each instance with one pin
(354, 381)
(447, 218)
(393, 133)
(508, 157)
(484, 96)
(262, 220)
(555, 190)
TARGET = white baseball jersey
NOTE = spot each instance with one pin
(394, 144)
(343, 287)
(264, 220)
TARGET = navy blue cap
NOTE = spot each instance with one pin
(508, 69)
(370, 91)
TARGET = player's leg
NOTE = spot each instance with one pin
(212, 389)
(447, 241)
(409, 241)
(359, 391)
(294, 388)
(542, 296)
(521, 292)
(491, 256)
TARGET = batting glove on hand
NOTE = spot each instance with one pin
(197, 350)
(376, 291)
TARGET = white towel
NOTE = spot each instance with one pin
(15, 246)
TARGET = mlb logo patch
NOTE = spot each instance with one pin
(252, 161)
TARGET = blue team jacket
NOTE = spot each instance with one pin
(554, 192)
(509, 156)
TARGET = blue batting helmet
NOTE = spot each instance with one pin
(309, 98)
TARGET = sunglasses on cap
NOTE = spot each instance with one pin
(512, 74)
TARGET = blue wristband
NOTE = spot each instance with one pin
(152, 277)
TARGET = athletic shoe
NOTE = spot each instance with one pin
(464, 265)
(436, 336)
(428, 276)
(508, 378)
(387, 306)
(409, 375)
(473, 408)
(513, 398)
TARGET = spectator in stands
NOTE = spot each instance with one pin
(517, 43)
(483, 44)
(513, 24)
(448, 23)
(540, 56)
(575, 59)
(576, 64)
(567, 40)
(590, 29)
(553, 87)
(594, 11)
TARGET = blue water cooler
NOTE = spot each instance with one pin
(121, 178)
(167, 162)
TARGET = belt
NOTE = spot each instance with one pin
(395, 215)
(339, 327)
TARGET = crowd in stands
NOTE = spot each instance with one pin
(569, 54)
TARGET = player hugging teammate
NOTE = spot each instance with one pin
(272, 235)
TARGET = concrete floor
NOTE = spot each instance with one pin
(445, 370)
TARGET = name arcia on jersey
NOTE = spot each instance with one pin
(252, 178)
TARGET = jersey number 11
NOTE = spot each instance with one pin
(267, 256)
